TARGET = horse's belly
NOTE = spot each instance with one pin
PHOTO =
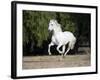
(63, 40)
(60, 39)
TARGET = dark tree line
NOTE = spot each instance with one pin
(35, 29)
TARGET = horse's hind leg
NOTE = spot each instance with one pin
(67, 51)
(63, 49)
(69, 47)
(51, 44)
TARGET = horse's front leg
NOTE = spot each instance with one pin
(51, 44)
(63, 49)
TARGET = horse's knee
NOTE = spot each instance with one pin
(51, 44)
(59, 50)
(67, 51)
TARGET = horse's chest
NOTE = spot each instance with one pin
(55, 40)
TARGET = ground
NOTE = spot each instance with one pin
(56, 61)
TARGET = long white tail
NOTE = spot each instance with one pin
(72, 43)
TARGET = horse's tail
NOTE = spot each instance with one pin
(72, 43)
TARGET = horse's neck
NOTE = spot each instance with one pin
(57, 30)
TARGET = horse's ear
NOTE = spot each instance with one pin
(52, 20)
(55, 21)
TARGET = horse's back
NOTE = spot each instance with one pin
(69, 34)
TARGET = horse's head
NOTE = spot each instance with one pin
(53, 24)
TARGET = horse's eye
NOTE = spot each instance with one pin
(51, 24)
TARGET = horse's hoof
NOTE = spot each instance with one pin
(63, 56)
(49, 54)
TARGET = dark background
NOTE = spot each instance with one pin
(36, 36)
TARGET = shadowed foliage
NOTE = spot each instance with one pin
(35, 29)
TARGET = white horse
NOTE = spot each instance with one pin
(60, 38)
